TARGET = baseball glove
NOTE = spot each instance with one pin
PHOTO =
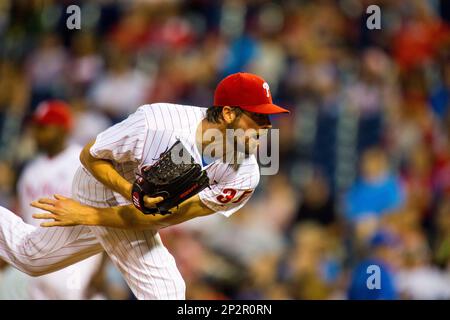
(174, 176)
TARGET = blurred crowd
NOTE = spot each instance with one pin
(365, 154)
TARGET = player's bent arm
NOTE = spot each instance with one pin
(104, 171)
(68, 212)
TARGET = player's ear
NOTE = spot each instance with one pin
(228, 114)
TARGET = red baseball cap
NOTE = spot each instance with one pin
(53, 112)
(247, 91)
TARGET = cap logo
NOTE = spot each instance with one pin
(266, 87)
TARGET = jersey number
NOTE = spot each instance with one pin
(229, 194)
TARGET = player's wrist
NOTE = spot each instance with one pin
(127, 191)
(94, 217)
(124, 188)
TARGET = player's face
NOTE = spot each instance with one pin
(254, 125)
(48, 137)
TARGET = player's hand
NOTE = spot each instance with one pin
(63, 211)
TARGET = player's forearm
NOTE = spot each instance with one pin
(121, 217)
(187, 210)
(128, 217)
(68, 212)
(104, 172)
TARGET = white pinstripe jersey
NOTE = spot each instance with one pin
(143, 136)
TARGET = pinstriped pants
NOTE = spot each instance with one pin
(147, 266)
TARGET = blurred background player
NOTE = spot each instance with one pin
(57, 160)
(52, 171)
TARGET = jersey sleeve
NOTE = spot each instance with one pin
(124, 141)
(228, 196)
